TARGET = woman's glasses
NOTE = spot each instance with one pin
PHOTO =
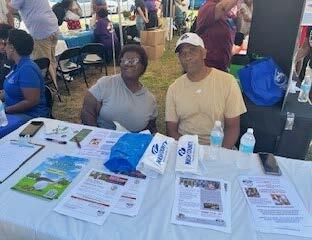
(129, 61)
(3, 43)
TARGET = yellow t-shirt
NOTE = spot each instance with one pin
(195, 106)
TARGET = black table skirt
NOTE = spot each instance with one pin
(268, 124)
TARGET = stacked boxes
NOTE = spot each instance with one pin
(153, 42)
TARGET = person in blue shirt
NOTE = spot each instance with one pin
(24, 89)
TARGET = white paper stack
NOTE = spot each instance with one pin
(202, 202)
(275, 205)
(187, 154)
(156, 155)
(94, 197)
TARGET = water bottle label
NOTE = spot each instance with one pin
(246, 148)
(305, 88)
(216, 140)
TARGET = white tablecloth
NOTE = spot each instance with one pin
(27, 217)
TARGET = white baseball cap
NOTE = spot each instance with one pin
(190, 38)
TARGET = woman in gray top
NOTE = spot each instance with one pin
(122, 98)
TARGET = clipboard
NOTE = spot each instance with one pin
(11, 159)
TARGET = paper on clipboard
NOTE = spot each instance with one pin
(21, 154)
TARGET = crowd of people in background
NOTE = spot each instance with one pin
(204, 94)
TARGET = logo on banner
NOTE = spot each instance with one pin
(181, 151)
(162, 153)
(280, 79)
(190, 147)
(155, 149)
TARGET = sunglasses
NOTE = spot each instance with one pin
(129, 61)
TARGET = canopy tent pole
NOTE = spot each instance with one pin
(171, 19)
(85, 13)
(120, 26)
(193, 4)
(112, 31)
(168, 12)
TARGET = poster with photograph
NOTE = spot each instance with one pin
(274, 203)
(202, 202)
(94, 197)
(50, 179)
(98, 143)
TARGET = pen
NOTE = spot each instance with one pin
(56, 141)
(77, 142)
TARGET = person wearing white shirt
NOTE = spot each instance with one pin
(42, 25)
(5, 13)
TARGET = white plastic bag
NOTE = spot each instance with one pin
(72, 16)
(156, 155)
(187, 154)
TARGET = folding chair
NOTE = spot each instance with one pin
(49, 99)
(94, 54)
(70, 62)
(44, 64)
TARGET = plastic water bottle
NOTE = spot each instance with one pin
(247, 142)
(305, 89)
(3, 118)
(216, 139)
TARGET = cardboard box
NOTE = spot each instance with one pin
(154, 52)
(153, 37)
(156, 37)
(143, 36)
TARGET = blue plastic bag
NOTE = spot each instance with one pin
(127, 152)
(263, 82)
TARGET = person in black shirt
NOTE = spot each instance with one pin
(151, 7)
(60, 10)
(141, 14)
(5, 64)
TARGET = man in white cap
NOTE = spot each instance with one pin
(202, 96)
